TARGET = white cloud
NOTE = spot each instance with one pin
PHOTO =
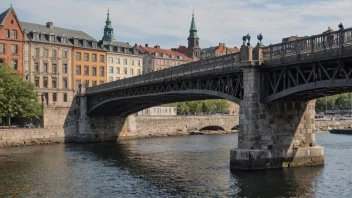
(154, 21)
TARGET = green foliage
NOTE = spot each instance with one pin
(206, 106)
(17, 97)
(334, 102)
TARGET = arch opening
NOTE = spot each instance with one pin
(212, 128)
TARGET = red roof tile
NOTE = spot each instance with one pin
(161, 51)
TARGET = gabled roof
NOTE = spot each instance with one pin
(232, 50)
(31, 27)
(161, 51)
(117, 43)
(4, 15)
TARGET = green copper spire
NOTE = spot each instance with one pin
(193, 29)
(108, 30)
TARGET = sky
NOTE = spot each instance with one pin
(167, 22)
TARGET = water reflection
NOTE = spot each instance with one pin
(167, 167)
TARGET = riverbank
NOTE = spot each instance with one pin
(327, 125)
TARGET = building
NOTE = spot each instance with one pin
(159, 111)
(156, 58)
(11, 40)
(123, 60)
(48, 54)
(89, 62)
(219, 50)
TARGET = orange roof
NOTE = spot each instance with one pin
(233, 50)
(161, 51)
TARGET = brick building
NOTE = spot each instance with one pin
(11, 40)
(219, 50)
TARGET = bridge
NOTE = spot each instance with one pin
(275, 86)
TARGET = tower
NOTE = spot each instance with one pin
(108, 30)
(193, 41)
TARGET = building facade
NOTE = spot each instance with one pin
(219, 50)
(123, 60)
(159, 111)
(11, 40)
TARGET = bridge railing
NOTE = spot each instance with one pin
(304, 48)
(207, 65)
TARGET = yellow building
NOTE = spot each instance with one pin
(89, 63)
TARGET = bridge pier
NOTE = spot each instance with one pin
(97, 129)
(275, 135)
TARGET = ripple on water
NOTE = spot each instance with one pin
(189, 166)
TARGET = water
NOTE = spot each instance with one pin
(190, 166)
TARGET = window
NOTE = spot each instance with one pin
(118, 60)
(14, 49)
(94, 71)
(36, 67)
(51, 38)
(131, 71)
(150, 62)
(45, 82)
(36, 81)
(78, 56)
(86, 70)
(86, 56)
(7, 33)
(102, 58)
(117, 70)
(111, 79)
(14, 64)
(111, 60)
(54, 97)
(36, 52)
(63, 40)
(86, 83)
(11, 21)
(78, 82)
(65, 83)
(65, 68)
(138, 62)
(132, 62)
(117, 78)
(125, 70)
(125, 61)
(36, 36)
(101, 82)
(2, 48)
(101, 71)
(45, 52)
(14, 34)
(54, 53)
(94, 57)
(164, 55)
(111, 70)
(64, 54)
(54, 83)
(139, 71)
(45, 67)
(65, 97)
(78, 70)
(54, 68)
(156, 53)
(94, 83)
(180, 57)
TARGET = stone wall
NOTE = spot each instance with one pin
(326, 125)
(159, 126)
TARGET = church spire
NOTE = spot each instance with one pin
(108, 30)
(193, 28)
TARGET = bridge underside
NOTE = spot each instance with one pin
(307, 81)
(127, 106)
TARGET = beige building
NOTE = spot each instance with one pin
(123, 60)
(159, 111)
(47, 56)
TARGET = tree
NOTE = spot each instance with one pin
(17, 97)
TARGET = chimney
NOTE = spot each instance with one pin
(157, 46)
(50, 25)
(135, 45)
(146, 45)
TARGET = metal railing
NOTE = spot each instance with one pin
(293, 50)
(170, 73)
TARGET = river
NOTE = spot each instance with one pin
(188, 166)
